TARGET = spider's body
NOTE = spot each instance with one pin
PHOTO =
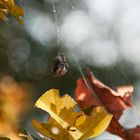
(60, 66)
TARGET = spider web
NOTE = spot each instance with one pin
(60, 37)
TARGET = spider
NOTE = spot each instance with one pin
(60, 66)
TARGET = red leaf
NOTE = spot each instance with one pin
(114, 101)
(92, 92)
(134, 133)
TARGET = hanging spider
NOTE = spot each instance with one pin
(60, 66)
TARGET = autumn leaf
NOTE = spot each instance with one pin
(134, 134)
(27, 136)
(67, 123)
(94, 93)
(3, 138)
(8, 7)
(14, 101)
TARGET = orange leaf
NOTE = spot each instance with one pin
(8, 7)
(14, 102)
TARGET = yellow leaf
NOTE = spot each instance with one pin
(65, 122)
(9, 7)
(27, 136)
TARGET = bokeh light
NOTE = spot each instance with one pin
(76, 27)
(41, 27)
(18, 53)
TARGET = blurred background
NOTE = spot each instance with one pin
(101, 34)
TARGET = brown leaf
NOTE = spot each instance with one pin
(134, 134)
(94, 93)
